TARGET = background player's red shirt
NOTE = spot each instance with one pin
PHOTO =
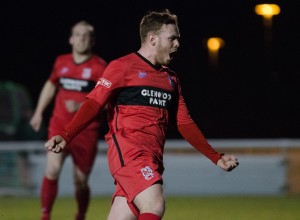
(74, 82)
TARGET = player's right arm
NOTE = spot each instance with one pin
(46, 96)
(88, 111)
(97, 99)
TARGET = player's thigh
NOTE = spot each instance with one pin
(80, 178)
(54, 164)
(84, 152)
(120, 210)
(151, 200)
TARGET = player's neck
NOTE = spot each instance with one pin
(80, 58)
(147, 54)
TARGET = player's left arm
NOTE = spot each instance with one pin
(192, 134)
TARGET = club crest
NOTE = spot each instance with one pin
(147, 173)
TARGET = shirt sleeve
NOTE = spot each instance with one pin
(84, 116)
(190, 131)
(112, 80)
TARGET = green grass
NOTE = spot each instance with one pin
(178, 208)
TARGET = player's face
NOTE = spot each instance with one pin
(81, 40)
(167, 44)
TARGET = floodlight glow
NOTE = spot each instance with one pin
(267, 10)
(215, 43)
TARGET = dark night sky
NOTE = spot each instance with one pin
(254, 92)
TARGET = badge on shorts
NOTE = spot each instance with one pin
(147, 173)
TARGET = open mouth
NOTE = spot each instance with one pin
(172, 54)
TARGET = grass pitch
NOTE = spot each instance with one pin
(178, 208)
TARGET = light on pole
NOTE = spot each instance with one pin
(267, 11)
(214, 44)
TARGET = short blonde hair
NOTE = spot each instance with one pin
(154, 20)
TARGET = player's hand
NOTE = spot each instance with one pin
(56, 144)
(228, 162)
(35, 122)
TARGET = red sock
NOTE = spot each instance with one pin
(83, 199)
(49, 191)
(149, 216)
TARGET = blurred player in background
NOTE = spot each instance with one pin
(72, 77)
(142, 96)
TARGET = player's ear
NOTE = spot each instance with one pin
(152, 38)
(71, 40)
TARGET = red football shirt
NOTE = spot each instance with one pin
(142, 98)
(74, 82)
